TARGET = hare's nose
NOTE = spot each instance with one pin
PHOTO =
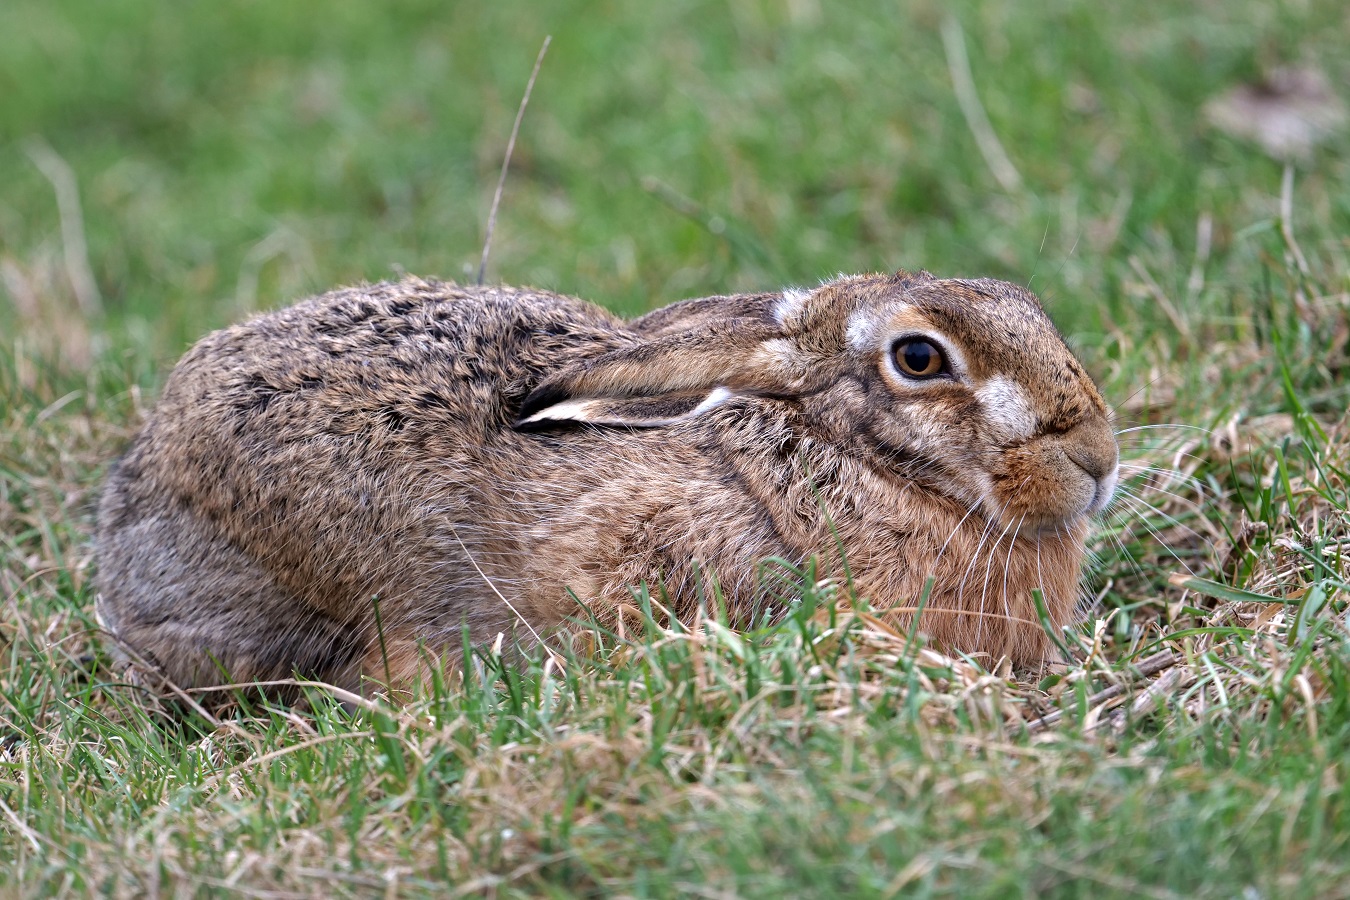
(1092, 447)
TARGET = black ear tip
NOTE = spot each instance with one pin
(538, 425)
(542, 397)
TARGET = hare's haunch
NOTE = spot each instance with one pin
(480, 456)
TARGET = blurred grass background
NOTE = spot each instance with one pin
(233, 157)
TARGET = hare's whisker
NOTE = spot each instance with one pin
(473, 562)
(988, 528)
(1007, 566)
(954, 531)
(1137, 428)
(1157, 535)
(1136, 503)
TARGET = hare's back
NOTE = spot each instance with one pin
(323, 447)
(350, 391)
(385, 352)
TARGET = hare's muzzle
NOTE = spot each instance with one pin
(1056, 479)
(1095, 452)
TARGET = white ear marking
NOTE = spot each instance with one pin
(1007, 406)
(789, 304)
(598, 411)
(715, 398)
(568, 409)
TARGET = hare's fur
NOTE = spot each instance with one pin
(489, 456)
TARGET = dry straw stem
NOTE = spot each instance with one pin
(62, 177)
(1146, 669)
(506, 159)
(1287, 220)
(963, 83)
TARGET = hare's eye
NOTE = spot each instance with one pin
(918, 358)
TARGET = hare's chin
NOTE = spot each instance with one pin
(1029, 524)
(1105, 493)
(1056, 528)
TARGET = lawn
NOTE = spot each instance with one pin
(170, 169)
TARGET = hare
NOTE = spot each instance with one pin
(338, 489)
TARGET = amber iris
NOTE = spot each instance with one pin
(918, 358)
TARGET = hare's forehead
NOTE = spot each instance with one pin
(994, 333)
(870, 326)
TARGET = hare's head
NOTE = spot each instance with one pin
(962, 386)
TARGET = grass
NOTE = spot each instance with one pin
(229, 158)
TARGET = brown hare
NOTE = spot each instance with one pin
(486, 456)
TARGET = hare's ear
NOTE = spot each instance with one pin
(628, 412)
(707, 313)
(689, 358)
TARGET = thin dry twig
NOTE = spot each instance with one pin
(1148, 700)
(1156, 663)
(1127, 886)
(265, 758)
(506, 160)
